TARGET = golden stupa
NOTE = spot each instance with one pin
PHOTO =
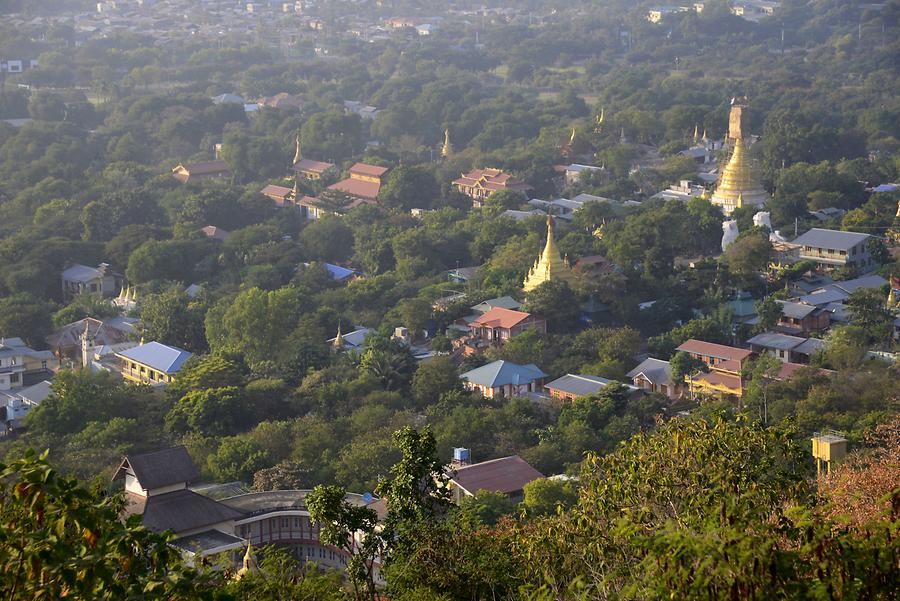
(549, 266)
(738, 184)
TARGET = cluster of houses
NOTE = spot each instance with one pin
(162, 488)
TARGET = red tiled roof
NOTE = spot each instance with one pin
(711, 349)
(491, 179)
(506, 475)
(308, 165)
(498, 317)
(358, 188)
(276, 191)
(370, 170)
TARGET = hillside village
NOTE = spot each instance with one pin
(342, 247)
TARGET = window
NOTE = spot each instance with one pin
(284, 522)
(43, 364)
(13, 378)
(93, 287)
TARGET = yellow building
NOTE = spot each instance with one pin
(153, 363)
(549, 266)
(739, 183)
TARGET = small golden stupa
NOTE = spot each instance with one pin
(549, 266)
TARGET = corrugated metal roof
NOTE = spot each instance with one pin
(577, 384)
(834, 239)
(161, 357)
(774, 340)
(655, 371)
(501, 373)
(505, 475)
(795, 310)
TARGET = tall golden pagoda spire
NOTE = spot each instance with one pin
(447, 148)
(696, 133)
(738, 184)
(549, 266)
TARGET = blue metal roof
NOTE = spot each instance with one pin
(501, 373)
(167, 359)
(337, 272)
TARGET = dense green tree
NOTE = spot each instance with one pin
(557, 303)
(236, 459)
(769, 313)
(25, 317)
(433, 379)
(210, 411)
(409, 187)
(254, 323)
(60, 540)
(547, 496)
(174, 318)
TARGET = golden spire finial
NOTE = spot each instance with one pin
(740, 200)
(249, 567)
(339, 339)
(447, 148)
(572, 137)
(696, 133)
(600, 118)
(704, 138)
(898, 209)
(298, 156)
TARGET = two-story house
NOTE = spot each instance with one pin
(478, 184)
(499, 325)
(82, 279)
(785, 348)
(19, 362)
(830, 249)
(364, 183)
(725, 364)
(156, 488)
(152, 363)
(800, 318)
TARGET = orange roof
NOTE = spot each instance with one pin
(498, 317)
(358, 188)
(366, 169)
(711, 349)
(308, 165)
(491, 179)
(273, 191)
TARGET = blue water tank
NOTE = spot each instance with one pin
(461, 454)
